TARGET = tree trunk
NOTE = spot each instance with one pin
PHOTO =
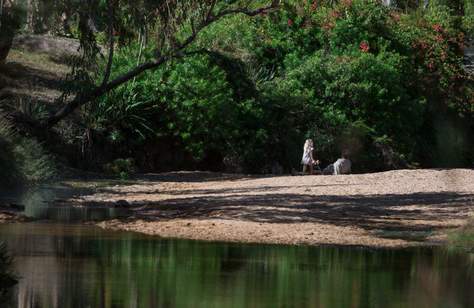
(7, 31)
(30, 16)
(32, 12)
(6, 41)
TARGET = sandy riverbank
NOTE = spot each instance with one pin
(9, 217)
(389, 209)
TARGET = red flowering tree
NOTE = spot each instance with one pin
(364, 46)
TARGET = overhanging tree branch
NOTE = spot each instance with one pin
(80, 100)
(178, 52)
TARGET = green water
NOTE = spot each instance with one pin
(66, 265)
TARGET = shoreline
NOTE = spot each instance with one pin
(394, 209)
(402, 208)
(258, 236)
(11, 217)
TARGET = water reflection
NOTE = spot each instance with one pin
(39, 203)
(7, 279)
(76, 266)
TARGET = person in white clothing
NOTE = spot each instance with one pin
(307, 160)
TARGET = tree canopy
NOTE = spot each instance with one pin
(239, 85)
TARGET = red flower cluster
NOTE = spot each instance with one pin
(437, 28)
(290, 22)
(364, 46)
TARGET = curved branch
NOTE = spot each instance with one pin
(106, 86)
(95, 93)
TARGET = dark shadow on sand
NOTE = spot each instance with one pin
(383, 214)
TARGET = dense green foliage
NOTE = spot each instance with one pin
(386, 85)
(22, 160)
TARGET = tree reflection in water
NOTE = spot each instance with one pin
(7, 278)
(74, 266)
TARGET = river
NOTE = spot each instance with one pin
(61, 263)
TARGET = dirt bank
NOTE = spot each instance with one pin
(8, 215)
(389, 209)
